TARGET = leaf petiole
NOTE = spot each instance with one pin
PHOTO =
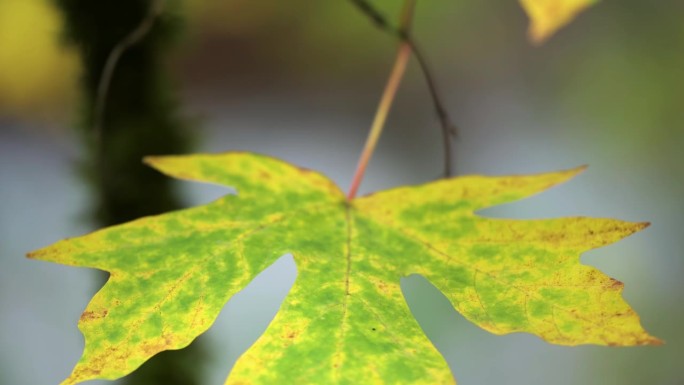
(400, 63)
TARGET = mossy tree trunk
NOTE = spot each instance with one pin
(140, 118)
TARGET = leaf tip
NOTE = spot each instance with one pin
(565, 175)
(172, 165)
(630, 228)
(583, 167)
(642, 225)
(47, 253)
(150, 160)
(536, 38)
(577, 170)
(642, 339)
(35, 254)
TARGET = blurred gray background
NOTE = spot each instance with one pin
(300, 80)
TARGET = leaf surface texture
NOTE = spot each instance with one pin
(345, 320)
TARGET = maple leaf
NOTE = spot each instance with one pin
(547, 16)
(345, 320)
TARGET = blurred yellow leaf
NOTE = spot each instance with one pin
(548, 16)
(37, 72)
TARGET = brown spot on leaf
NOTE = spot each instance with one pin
(155, 347)
(93, 315)
(615, 284)
(382, 286)
(291, 334)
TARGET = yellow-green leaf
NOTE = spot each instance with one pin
(548, 16)
(345, 320)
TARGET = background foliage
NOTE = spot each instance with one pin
(300, 81)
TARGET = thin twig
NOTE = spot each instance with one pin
(104, 83)
(448, 128)
(133, 38)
